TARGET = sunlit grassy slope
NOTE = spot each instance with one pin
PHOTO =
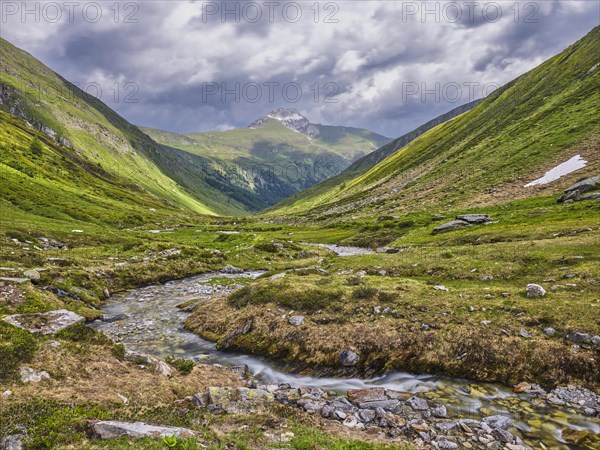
(80, 127)
(486, 155)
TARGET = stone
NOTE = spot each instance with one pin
(574, 191)
(162, 368)
(535, 290)
(439, 411)
(521, 387)
(15, 280)
(596, 340)
(108, 318)
(497, 421)
(29, 375)
(242, 370)
(244, 328)
(13, 442)
(440, 287)
(445, 444)
(45, 323)
(296, 321)
(231, 270)
(111, 429)
(140, 358)
(351, 422)
(447, 425)
(452, 225)
(366, 395)
(474, 219)
(239, 400)
(502, 435)
(386, 405)
(549, 331)
(349, 358)
(367, 415)
(418, 404)
(580, 337)
(397, 395)
(6, 394)
(106, 293)
(524, 333)
(32, 274)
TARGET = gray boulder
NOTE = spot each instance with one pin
(366, 395)
(418, 404)
(535, 290)
(231, 270)
(348, 358)
(45, 323)
(296, 321)
(580, 337)
(452, 225)
(575, 191)
(110, 429)
(239, 400)
(475, 219)
(29, 375)
(497, 421)
(13, 442)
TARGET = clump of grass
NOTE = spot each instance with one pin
(304, 298)
(364, 292)
(185, 366)
(268, 247)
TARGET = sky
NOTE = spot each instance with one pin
(388, 66)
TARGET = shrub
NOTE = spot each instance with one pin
(306, 298)
(268, 247)
(36, 147)
(364, 292)
(185, 366)
(16, 347)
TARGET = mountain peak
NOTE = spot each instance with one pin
(289, 118)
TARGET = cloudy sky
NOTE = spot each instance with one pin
(388, 66)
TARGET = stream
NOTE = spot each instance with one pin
(153, 324)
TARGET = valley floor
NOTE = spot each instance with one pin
(451, 303)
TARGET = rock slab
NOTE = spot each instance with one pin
(111, 429)
(45, 323)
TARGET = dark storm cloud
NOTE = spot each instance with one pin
(371, 58)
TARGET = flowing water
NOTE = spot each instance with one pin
(154, 325)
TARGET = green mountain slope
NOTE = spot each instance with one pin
(487, 155)
(78, 127)
(324, 189)
(270, 161)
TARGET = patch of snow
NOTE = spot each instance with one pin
(573, 164)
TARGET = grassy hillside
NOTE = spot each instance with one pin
(324, 189)
(488, 154)
(81, 127)
(272, 162)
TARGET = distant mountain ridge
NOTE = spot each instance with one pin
(276, 156)
(290, 118)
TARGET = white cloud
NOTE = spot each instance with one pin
(370, 53)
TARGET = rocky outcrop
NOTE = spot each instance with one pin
(395, 413)
(577, 192)
(110, 429)
(45, 323)
(462, 221)
(29, 375)
(349, 358)
(238, 400)
(290, 118)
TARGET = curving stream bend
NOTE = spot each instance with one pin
(154, 325)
